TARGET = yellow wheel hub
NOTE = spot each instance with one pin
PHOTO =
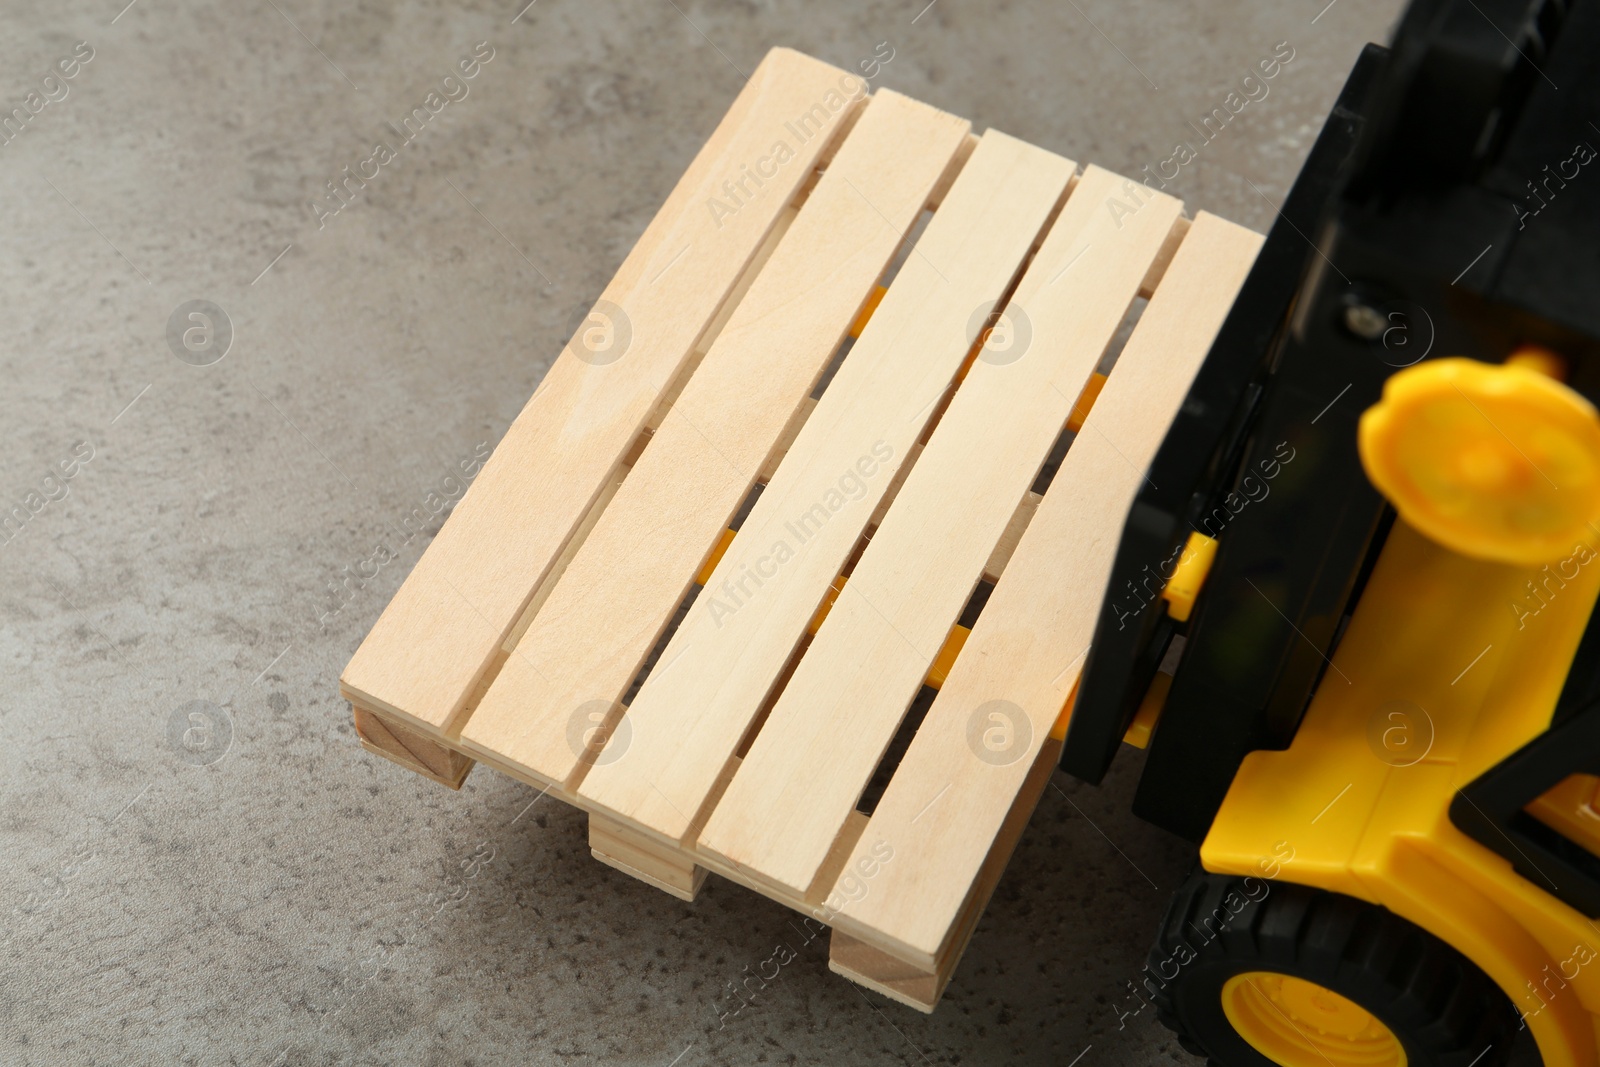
(1296, 1023)
(1495, 462)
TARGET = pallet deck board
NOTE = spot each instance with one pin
(724, 659)
(807, 768)
(625, 582)
(773, 694)
(431, 646)
(1030, 643)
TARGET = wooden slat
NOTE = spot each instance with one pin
(1007, 544)
(915, 986)
(689, 717)
(945, 805)
(442, 631)
(827, 732)
(622, 587)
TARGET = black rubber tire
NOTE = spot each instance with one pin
(1443, 1009)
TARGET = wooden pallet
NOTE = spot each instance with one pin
(545, 632)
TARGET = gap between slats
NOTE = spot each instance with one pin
(668, 396)
(780, 449)
(713, 731)
(879, 782)
(908, 721)
(610, 586)
(409, 667)
(923, 911)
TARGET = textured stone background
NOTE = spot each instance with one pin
(296, 901)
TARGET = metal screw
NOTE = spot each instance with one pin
(1365, 321)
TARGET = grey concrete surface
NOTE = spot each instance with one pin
(250, 887)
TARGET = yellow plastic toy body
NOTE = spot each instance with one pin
(1285, 1017)
(1183, 588)
(1454, 659)
(1496, 462)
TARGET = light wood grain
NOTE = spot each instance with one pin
(908, 983)
(829, 729)
(622, 587)
(432, 645)
(1012, 534)
(427, 758)
(553, 575)
(945, 806)
(565, 560)
(882, 973)
(688, 720)
(668, 869)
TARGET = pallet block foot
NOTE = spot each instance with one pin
(411, 750)
(630, 852)
(886, 974)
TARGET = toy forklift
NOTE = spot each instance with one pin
(1351, 613)
(787, 571)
